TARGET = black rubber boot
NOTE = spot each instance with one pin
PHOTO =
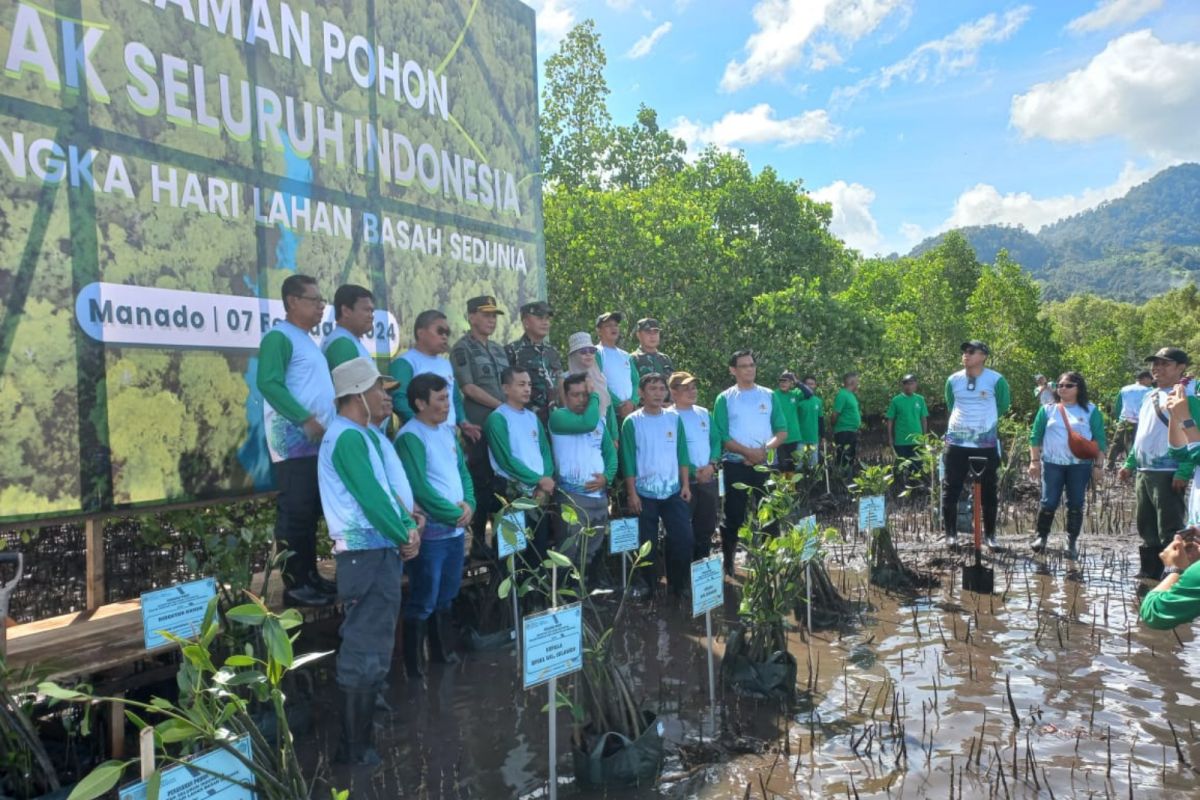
(358, 728)
(414, 647)
(950, 537)
(1045, 519)
(439, 639)
(1152, 565)
(1074, 526)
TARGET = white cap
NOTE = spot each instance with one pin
(357, 376)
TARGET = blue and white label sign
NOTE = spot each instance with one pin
(179, 610)
(708, 584)
(623, 535)
(808, 524)
(871, 513)
(214, 775)
(553, 644)
(511, 538)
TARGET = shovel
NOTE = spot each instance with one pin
(6, 590)
(976, 577)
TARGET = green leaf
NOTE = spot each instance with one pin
(99, 781)
(154, 785)
(504, 588)
(239, 660)
(53, 690)
(558, 559)
(247, 614)
(308, 658)
(279, 646)
(173, 731)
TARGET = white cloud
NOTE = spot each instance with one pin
(644, 45)
(1138, 88)
(785, 27)
(1110, 13)
(555, 18)
(983, 204)
(940, 58)
(757, 126)
(852, 220)
(619, 5)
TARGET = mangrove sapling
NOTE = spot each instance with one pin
(215, 707)
(886, 568)
(604, 696)
(928, 456)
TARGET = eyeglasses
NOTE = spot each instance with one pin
(1067, 385)
(745, 366)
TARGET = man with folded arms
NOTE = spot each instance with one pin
(368, 503)
(437, 469)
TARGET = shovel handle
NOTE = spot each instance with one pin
(976, 507)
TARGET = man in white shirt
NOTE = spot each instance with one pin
(704, 452)
(618, 366)
(1126, 407)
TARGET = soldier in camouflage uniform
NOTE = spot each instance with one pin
(646, 357)
(535, 354)
(477, 363)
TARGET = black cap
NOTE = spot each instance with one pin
(537, 308)
(1170, 354)
(975, 344)
(648, 324)
(909, 378)
(788, 375)
(485, 303)
(615, 316)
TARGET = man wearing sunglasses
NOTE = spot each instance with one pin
(298, 405)
(431, 338)
(976, 398)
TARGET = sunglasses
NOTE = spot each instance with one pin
(442, 331)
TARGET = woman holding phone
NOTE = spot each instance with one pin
(1056, 461)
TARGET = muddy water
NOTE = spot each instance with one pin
(1050, 687)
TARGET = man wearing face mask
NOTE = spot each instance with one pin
(369, 507)
(293, 378)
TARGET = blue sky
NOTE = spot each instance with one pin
(912, 117)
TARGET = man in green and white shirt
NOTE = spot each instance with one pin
(520, 454)
(354, 315)
(369, 507)
(704, 454)
(789, 395)
(811, 414)
(1161, 478)
(587, 463)
(293, 378)
(431, 339)
(619, 367)
(655, 457)
(751, 425)
(976, 398)
(433, 458)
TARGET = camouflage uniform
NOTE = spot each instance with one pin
(545, 370)
(652, 362)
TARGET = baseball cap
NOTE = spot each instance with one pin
(909, 378)
(579, 341)
(485, 303)
(648, 324)
(975, 344)
(681, 378)
(1170, 354)
(615, 316)
(537, 308)
(788, 375)
(356, 376)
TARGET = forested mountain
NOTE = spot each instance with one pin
(1131, 248)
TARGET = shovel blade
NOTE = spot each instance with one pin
(979, 579)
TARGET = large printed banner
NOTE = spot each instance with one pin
(165, 164)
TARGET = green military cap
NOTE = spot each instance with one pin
(537, 308)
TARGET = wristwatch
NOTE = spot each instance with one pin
(1172, 570)
(1188, 423)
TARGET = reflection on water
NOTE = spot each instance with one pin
(1048, 686)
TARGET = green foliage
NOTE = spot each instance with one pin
(25, 767)
(575, 124)
(872, 481)
(777, 549)
(215, 706)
